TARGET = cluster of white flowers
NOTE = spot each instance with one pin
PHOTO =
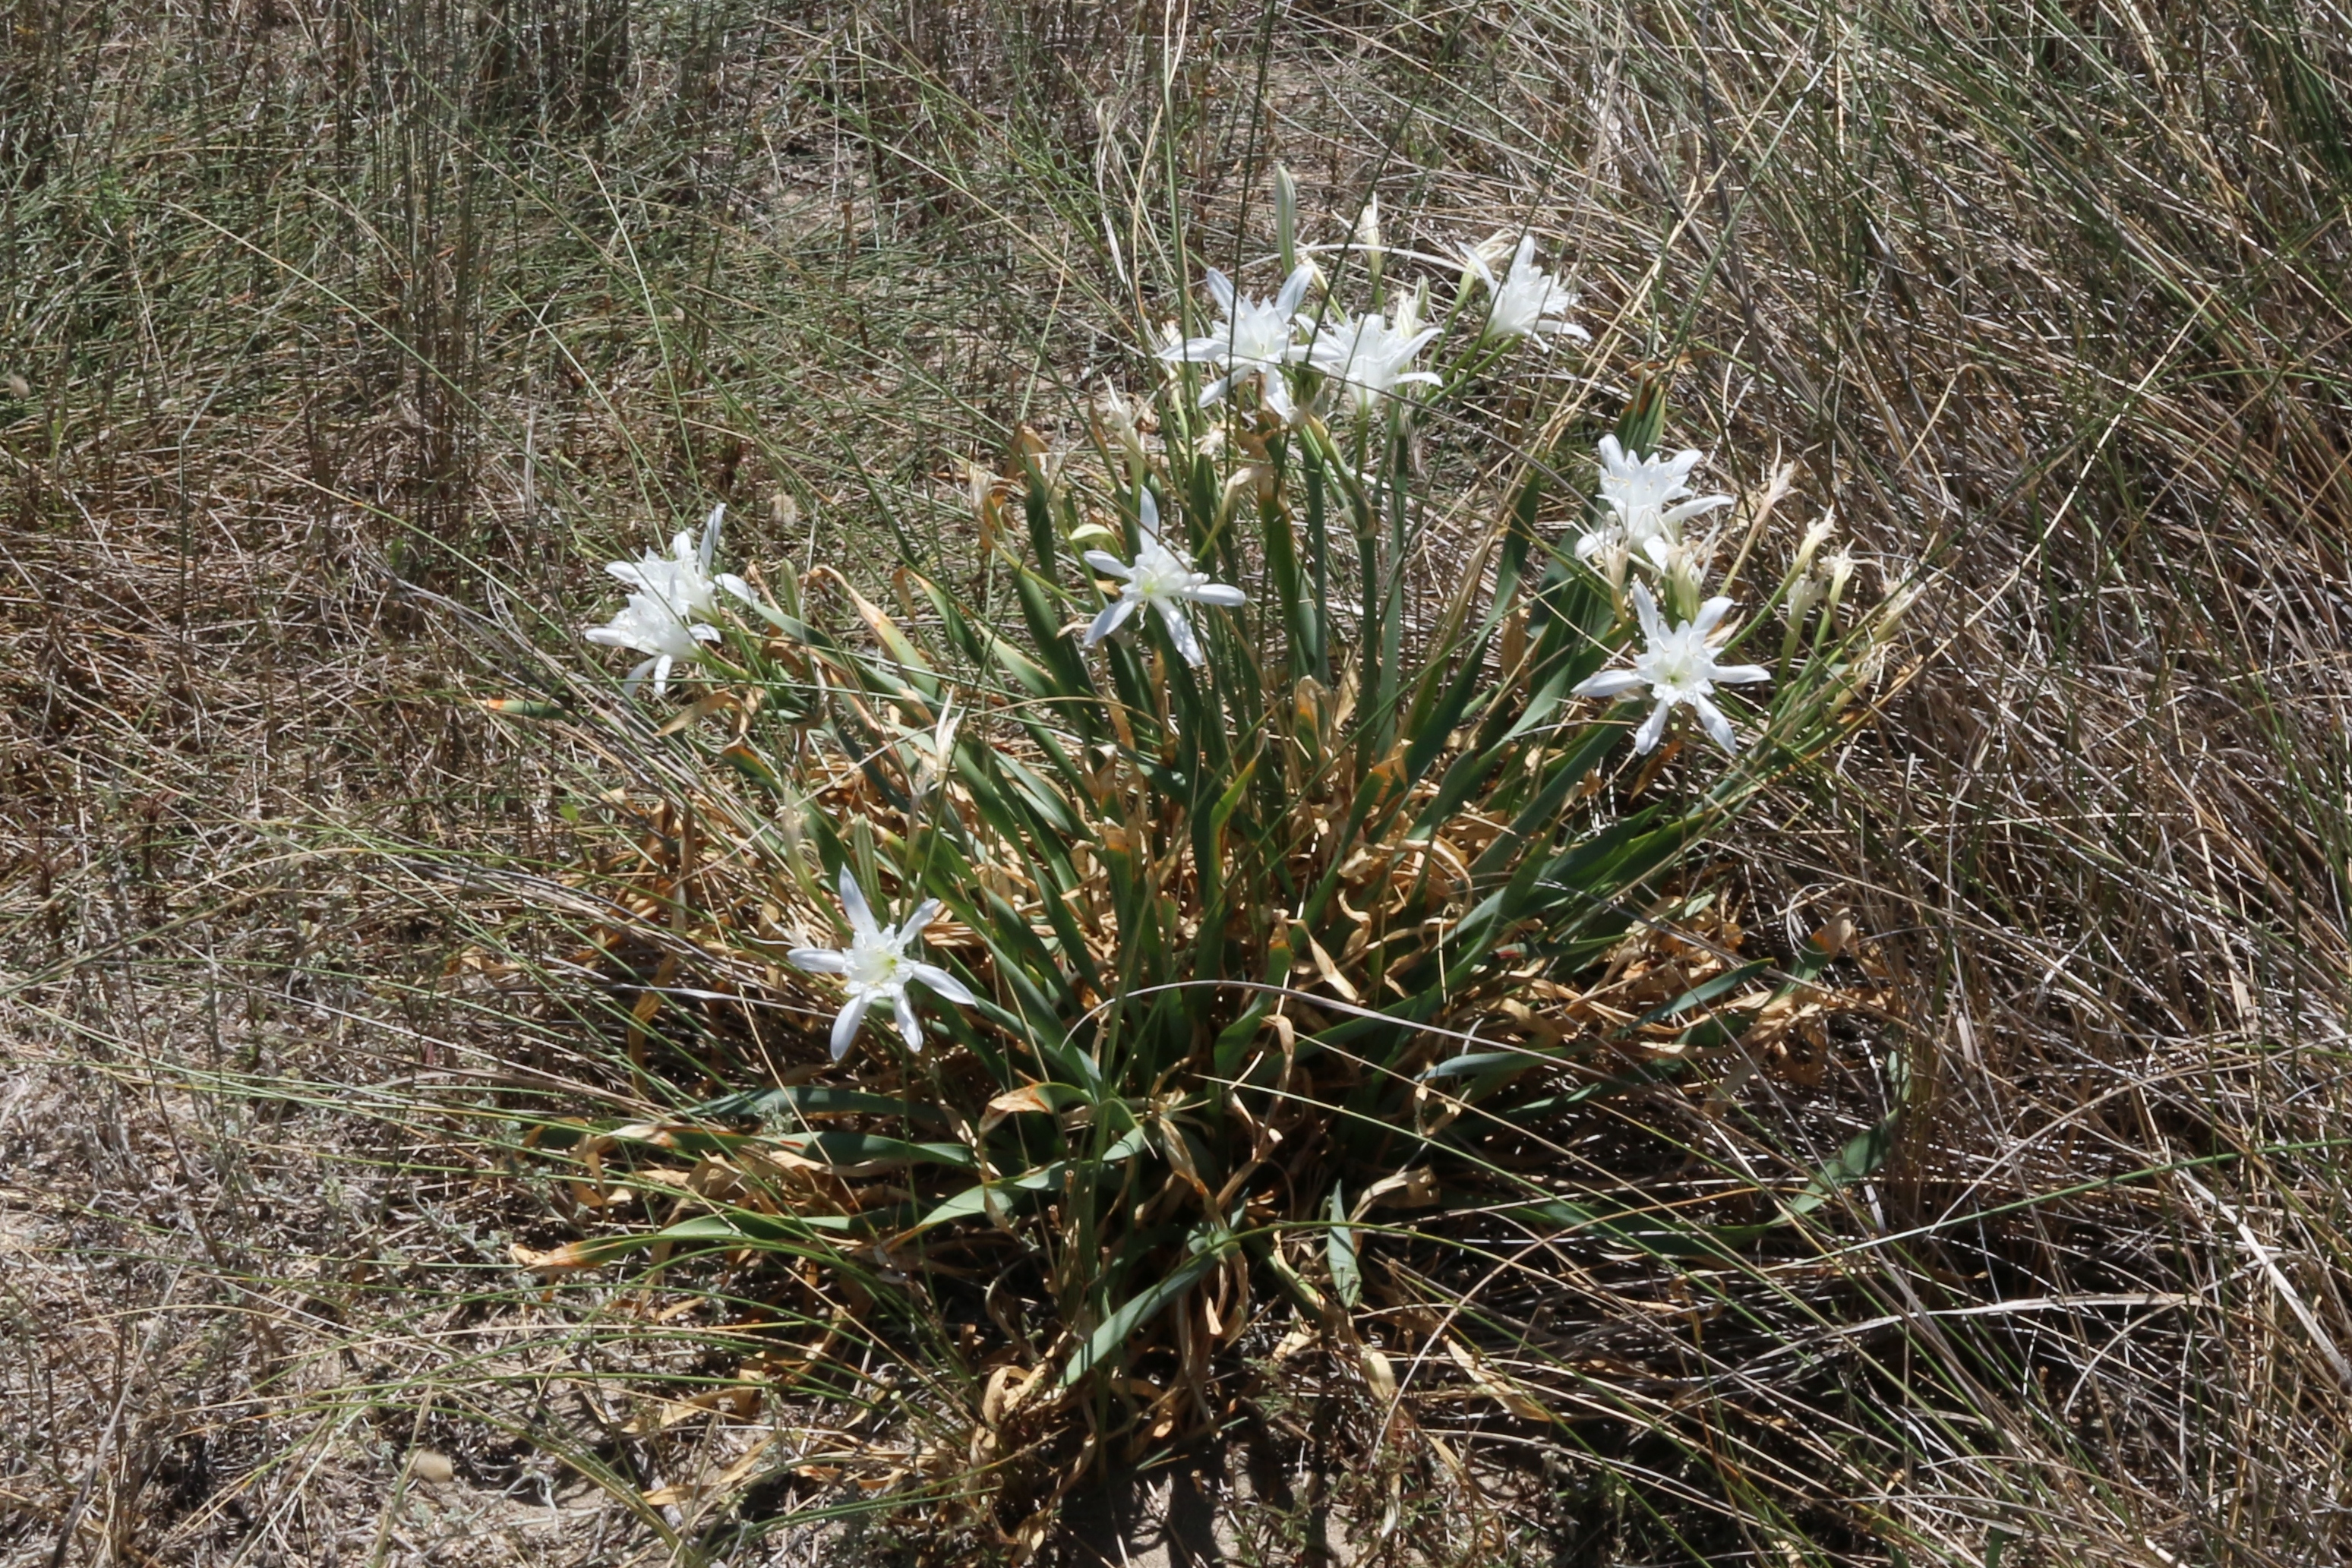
(1367, 357)
(1646, 498)
(670, 614)
(1523, 303)
(1643, 503)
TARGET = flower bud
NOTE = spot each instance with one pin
(1117, 424)
(1286, 218)
(1840, 567)
(1368, 241)
(1803, 594)
(1891, 612)
(1815, 537)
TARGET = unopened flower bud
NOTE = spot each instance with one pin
(1118, 420)
(1615, 559)
(1840, 569)
(1815, 537)
(1897, 604)
(1286, 217)
(1803, 594)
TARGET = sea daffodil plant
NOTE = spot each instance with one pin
(1241, 936)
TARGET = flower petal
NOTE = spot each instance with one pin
(1180, 632)
(1217, 594)
(1738, 675)
(1718, 729)
(1216, 390)
(1711, 614)
(1652, 728)
(1645, 609)
(1110, 565)
(711, 537)
(912, 927)
(1113, 616)
(1147, 513)
(1294, 290)
(636, 678)
(943, 984)
(1608, 684)
(854, 904)
(908, 1024)
(1221, 289)
(846, 1022)
(818, 960)
(738, 588)
(1693, 508)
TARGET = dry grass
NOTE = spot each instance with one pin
(309, 304)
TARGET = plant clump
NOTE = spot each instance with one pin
(1169, 937)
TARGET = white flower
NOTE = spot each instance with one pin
(1160, 578)
(1679, 668)
(1647, 496)
(1528, 296)
(669, 616)
(648, 626)
(875, 967)
(1368, 355)
(683, 579)
(1253, 338)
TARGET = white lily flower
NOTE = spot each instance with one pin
(1163, 579)
(1523, 303)
(875, 967)
(1368, 355)
(1647, 496)
(683, 580)
(648, 626)
(1678, 667)
(1253, 339)
(669, 615)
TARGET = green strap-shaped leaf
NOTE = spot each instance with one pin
(1340, 1252)
(1108, 1341)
